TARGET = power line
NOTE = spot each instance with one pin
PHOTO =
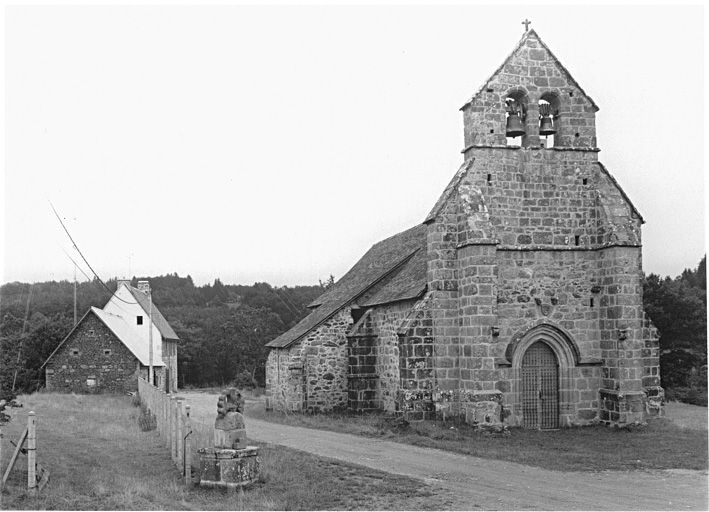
(82, 256)
(75, 265)
(284, 303)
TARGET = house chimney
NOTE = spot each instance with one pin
(144, 286)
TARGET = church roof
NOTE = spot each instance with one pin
(527, 35)
(401, 259)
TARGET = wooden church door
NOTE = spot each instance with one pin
(540, 387)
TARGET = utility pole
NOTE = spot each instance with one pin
(151, 376)
(75, 294)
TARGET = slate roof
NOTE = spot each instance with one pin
(158, 320)
(402, 258)
(125, 332)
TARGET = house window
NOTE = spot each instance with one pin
(91, 381)
(75, 352)
(106, 351)
(140, 319)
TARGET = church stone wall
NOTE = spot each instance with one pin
(386, 321)
(312, 374)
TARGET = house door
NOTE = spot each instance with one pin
(540, 387)
(167, 380)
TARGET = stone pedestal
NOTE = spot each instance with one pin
(220, 467)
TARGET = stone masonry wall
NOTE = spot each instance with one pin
(418, 383)
(285, 386)
(101, 357)
(311, 375)
(386, 321)
(325, 361)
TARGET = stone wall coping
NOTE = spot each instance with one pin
(504, 146)
(522, 248)
(228, 453)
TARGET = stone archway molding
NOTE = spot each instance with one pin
(568, 356)
(558, 338)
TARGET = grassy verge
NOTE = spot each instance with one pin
(659, 445)
(99, 459)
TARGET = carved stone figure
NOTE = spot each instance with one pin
(229, 427)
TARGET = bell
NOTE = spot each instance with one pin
(546, 127)
(515, 128)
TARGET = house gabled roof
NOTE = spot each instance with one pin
(388, 258)
(165, 330)
(124, 331)
(527, 35)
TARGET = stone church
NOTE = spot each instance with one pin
(517, 301)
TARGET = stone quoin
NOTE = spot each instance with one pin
(517, 301)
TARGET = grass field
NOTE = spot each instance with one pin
(100, 460)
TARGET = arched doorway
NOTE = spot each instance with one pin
(540, 387)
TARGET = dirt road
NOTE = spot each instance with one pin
(475, 483)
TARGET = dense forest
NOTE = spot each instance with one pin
(223, 328)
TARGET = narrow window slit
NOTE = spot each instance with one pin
(577, 239)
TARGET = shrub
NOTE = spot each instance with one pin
(135, 400)
(694, 396)
(244, 380)
(146, 420)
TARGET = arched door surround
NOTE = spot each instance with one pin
(558, 345)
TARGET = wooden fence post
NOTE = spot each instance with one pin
(179, 433)
(31, 454)
(166, 416)
(187, 468)
(158, 411)
(173, 433)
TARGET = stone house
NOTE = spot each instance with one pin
(109, 348)
(518, 300)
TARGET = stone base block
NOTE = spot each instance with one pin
(228, 468)
(621, 409)
(230, 439)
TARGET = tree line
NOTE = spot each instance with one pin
(223, 329)
(678, 308)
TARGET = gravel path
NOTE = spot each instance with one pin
(475, 483)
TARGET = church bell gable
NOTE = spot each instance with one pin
(530, 101)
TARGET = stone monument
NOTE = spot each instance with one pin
(230, 463)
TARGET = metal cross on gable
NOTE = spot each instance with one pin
(526, 24)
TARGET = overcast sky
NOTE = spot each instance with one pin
(278, 144)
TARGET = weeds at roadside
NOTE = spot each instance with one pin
(658, 445)
(146, 420)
